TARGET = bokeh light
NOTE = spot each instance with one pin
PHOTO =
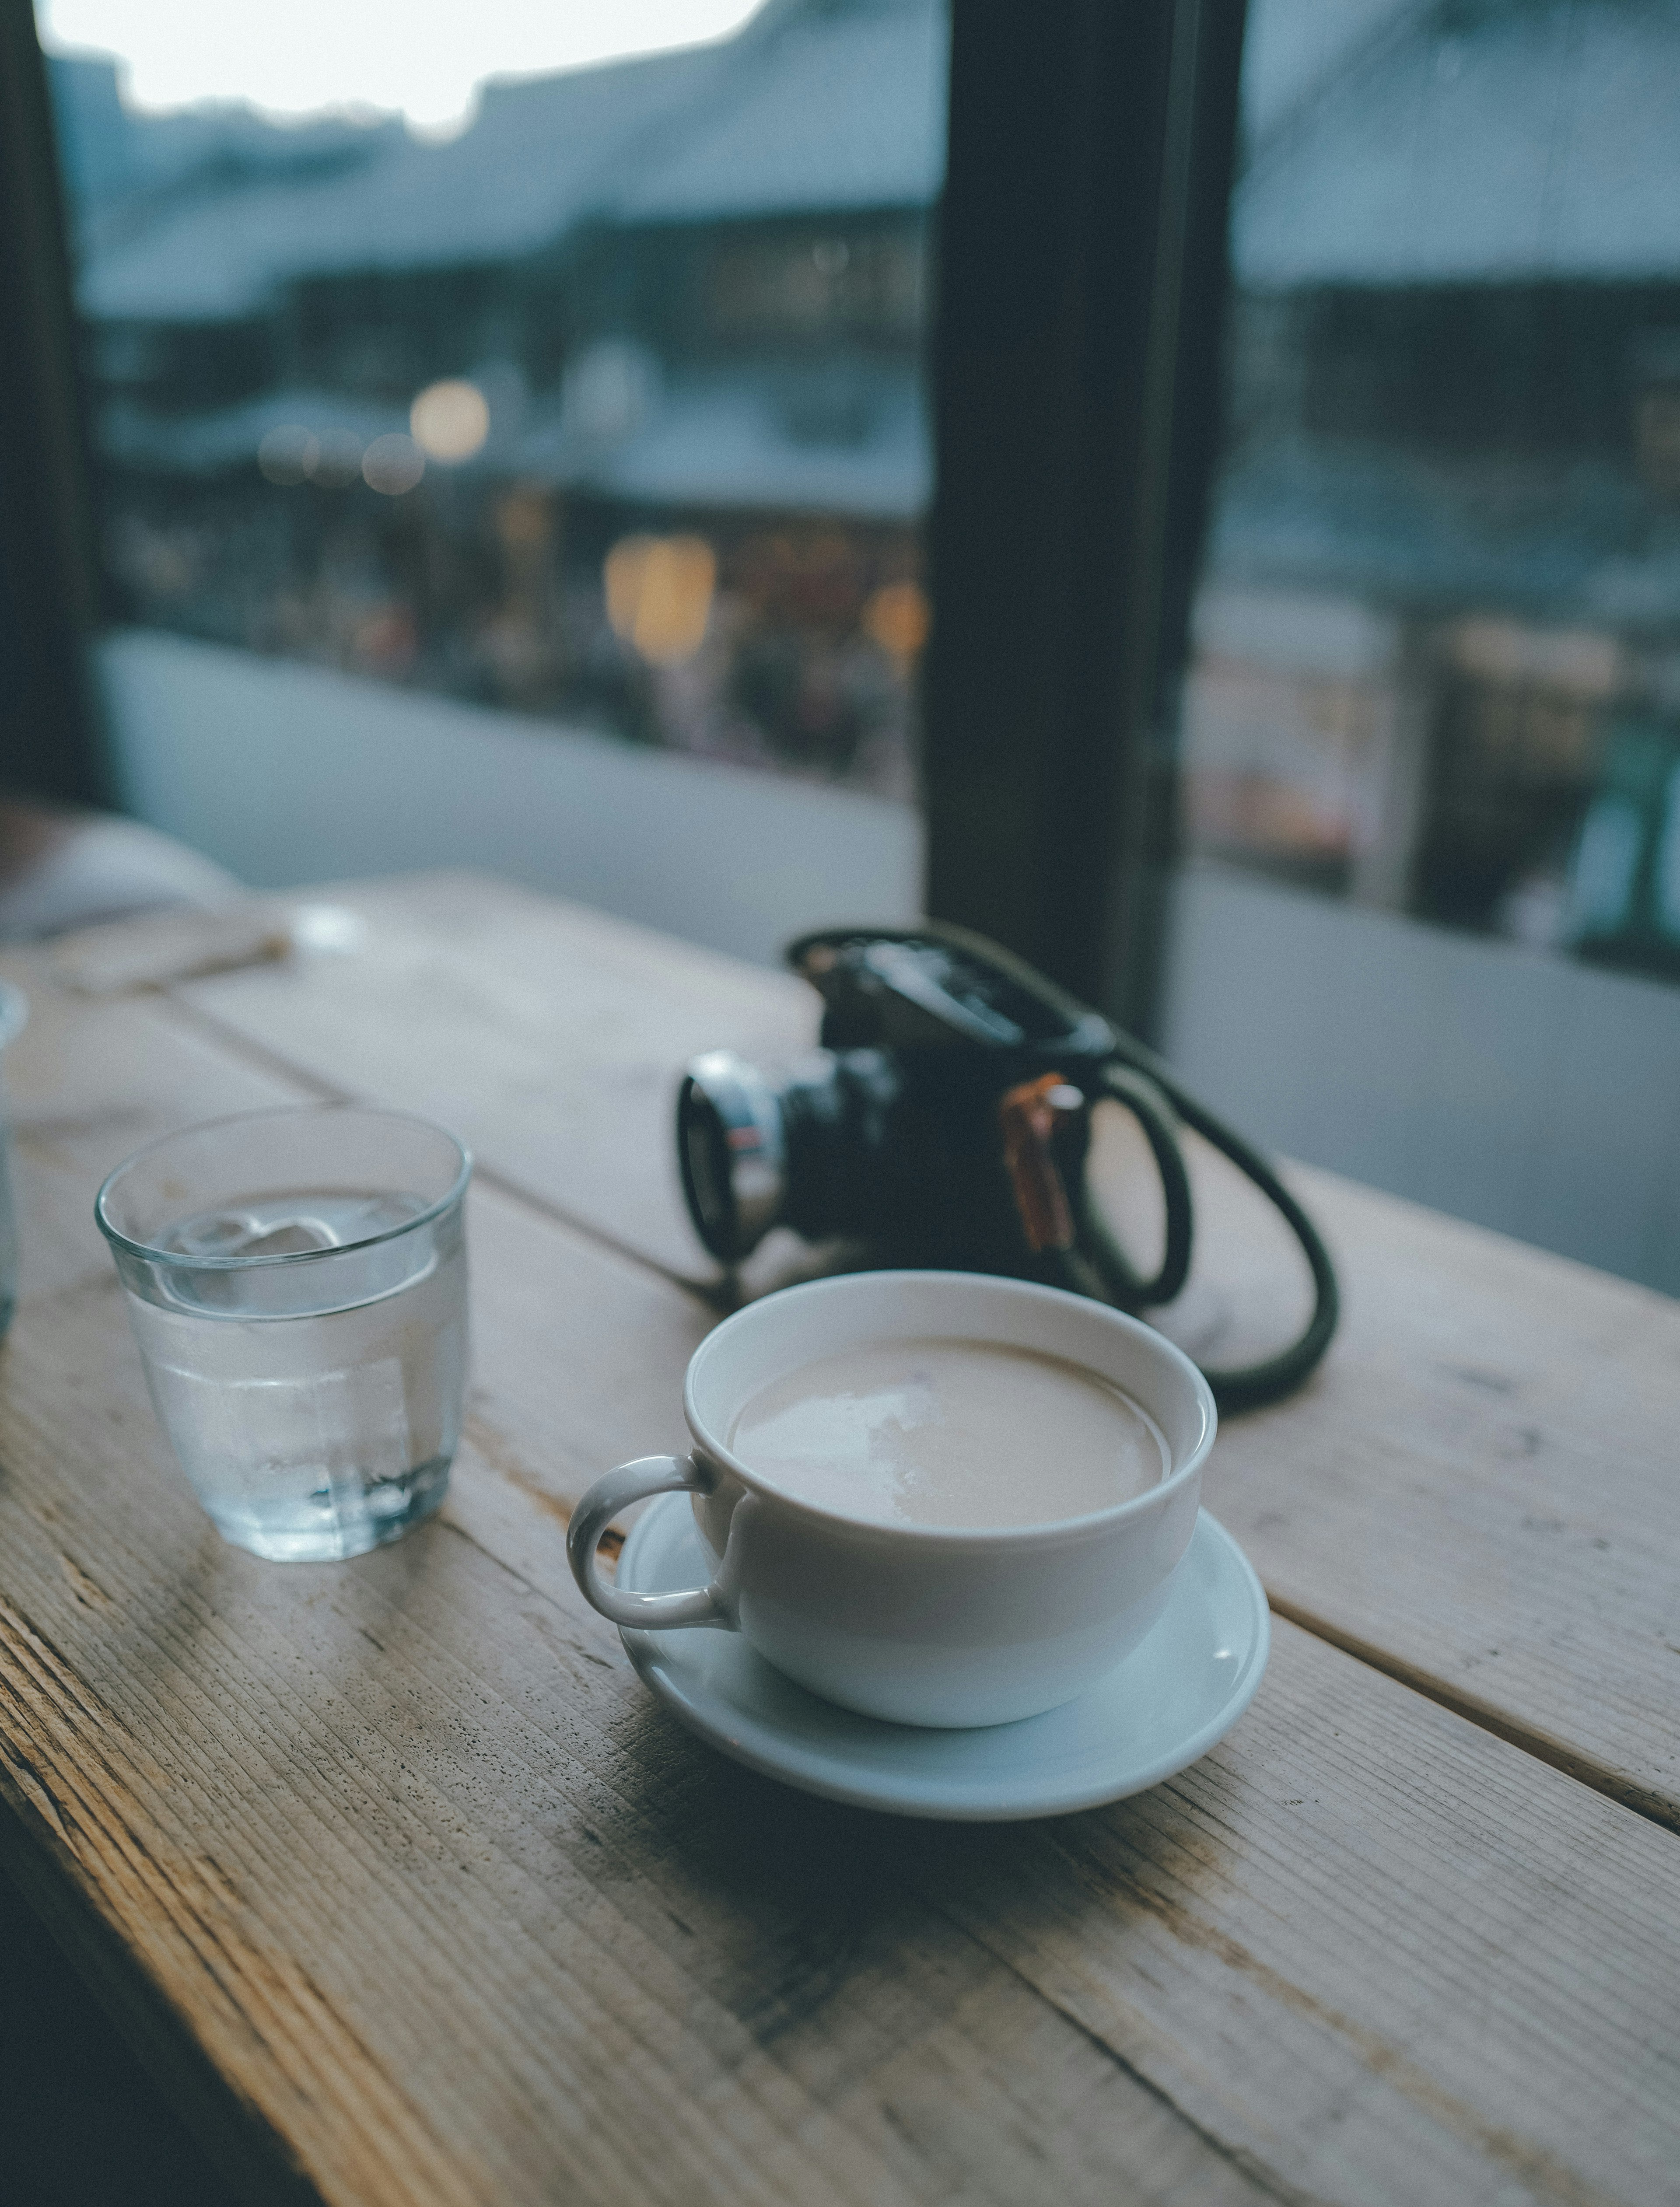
(658, 594)
(288, 453)
(449, 420)
(392, 464)
(337, 460)
(897, 618)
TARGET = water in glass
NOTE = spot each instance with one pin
(310, 1432)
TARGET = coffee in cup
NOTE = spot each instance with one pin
(961, 1434)
(916, 1619)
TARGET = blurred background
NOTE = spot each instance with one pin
(509, 449)
(593, 397)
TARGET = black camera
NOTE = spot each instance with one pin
(944, 1119)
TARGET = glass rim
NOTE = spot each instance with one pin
(181, 1259)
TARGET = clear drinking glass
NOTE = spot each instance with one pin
(297, 1284)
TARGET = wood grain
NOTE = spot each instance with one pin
(458, 1910)
(445, 1903)
(1482, 1491)
(458, 1914)
(235, 1814)
(1478, 1492)
(87, 1084)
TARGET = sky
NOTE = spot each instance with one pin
(419, 57)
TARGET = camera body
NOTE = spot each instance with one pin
(945, 1120)
(895, 1131)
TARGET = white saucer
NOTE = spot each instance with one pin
(1164, 1707)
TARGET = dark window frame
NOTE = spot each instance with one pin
(50, 590)
(1081, 287)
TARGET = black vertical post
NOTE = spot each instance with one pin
(49, 744)
(1082, 250)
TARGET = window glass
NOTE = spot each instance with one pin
(594, 392)
(1437, 652)
(1431, 730)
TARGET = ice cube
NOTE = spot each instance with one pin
(291, 1237)
(216, 1233)
(380, 1214)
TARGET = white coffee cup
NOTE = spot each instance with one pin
(919, 1623)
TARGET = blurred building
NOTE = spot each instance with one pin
(1440, 643)
(676, 305)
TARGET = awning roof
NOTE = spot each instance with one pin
(823, 108)
(1484, 141)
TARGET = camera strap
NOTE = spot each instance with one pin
(1082, 1252)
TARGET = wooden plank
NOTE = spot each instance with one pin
(456, 1909)
(459, 1913)
(1477, 1491)
(440, 1899)
(1335, 1943)
(87, 1084)
(1359, 1892)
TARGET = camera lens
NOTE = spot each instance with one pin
(732, 1150)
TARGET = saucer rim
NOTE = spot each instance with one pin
(890, 1798)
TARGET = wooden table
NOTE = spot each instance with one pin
(408, 1891)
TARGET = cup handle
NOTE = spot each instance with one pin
(615, 1491)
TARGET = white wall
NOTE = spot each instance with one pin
(1521, 1091)
(290, 773)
